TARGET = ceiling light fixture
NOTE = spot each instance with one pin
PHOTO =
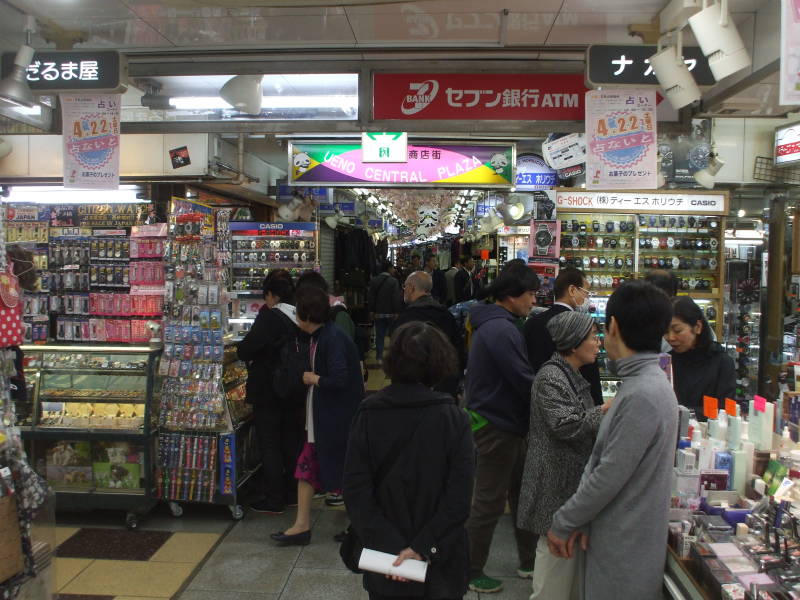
(719, 39)
(707, 177)
(14, 88)
(126, 194)
(673, 75)
(243, 92)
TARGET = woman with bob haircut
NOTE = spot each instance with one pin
(409, 469)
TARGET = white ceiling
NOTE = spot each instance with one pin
(152, 25)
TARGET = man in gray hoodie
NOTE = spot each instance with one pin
(498, 389)
(619, 513)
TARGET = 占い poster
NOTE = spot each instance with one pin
(91, 140)
(621, 140)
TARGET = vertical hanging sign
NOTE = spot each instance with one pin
(621, 140)
(91, 140)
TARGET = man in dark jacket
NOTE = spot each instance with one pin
(421, 306)
(498, 391)
(278, 425)
(572, 293)
(464, 284)
(439, 283)
(383, 298)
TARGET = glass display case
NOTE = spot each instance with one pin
(89, 428)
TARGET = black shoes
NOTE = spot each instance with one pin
(298, 539)
(263, 507)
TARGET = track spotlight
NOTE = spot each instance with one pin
(14, 88)
(719, 39)
(706, 177)
(673, 75)
(244, 93)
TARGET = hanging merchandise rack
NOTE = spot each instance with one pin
(205, 428)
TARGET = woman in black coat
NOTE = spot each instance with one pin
(335, 389)
(420, 506)
(700, 366)
(278, 424)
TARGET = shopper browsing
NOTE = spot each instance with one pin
(700, 366)
(383, 298)
(278, 423)
(563, 426)
(619, 513)
(498, 387)
(571, 290)
(335, 389)
(464, 282)
(408, 476)
(450, 281)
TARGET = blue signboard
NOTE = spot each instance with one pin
(534, 174)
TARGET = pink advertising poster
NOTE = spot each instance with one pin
(91, 140)
(790, 52)
(621, 148)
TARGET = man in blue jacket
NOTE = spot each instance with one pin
(498, 391)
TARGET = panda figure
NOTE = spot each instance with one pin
(499, 162)
(301, 161)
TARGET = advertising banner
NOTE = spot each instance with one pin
(504, 96)
(787, 145)
(790, 52)
(340, 164)
(534, 174)
(621, 140)
(91, 141)
(643, 202)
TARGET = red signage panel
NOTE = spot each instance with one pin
(487, 96)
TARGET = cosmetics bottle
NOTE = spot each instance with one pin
(722, 425)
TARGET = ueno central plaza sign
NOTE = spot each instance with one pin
(489, 96)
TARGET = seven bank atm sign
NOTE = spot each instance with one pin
(384, 147)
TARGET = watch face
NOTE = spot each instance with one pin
(599, 242)
(713, 243)
(575, 241)
(662, 243)
(595, 281)
(586, 262)
(698, 156)
(642, 243)
(676, 262)
(681, 222)
(623, 243)
(692, 222)
(652, 220)
(583, 227)
(661, 263)
(642, 221)
(698, 244)
(591, 241)
(673, 221)
(595, 261)
(662, 221)
(602, 261)
(543, 238)
(712, 263)
(665, 150)
(562, 261)
(612, 242)
(686, 243)
(618, 263)
(629, 262)
(564, 225)
(654, 243)
(595, 226)
(648, 243)
(670, 242)
(711, 313)
(609, 226)
(575, 226)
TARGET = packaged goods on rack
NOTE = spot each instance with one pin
(187, 467)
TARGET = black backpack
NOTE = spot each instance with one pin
(293, 359)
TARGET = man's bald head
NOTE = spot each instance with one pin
(418, 284)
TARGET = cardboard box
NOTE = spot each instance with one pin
(11, 560)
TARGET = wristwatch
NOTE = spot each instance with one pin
(612, 242)
(623, 243)
(713, 243)
(544, 238)
(676, 262)
(670, 242)
(598, 242)
(595, 226)
(610, 226)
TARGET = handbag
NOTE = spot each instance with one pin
(351, 546)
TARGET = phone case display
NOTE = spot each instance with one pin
(90, 424)
(199, 378)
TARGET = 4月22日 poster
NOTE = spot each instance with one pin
(621, 144)
(91, 140)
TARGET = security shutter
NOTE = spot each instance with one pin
(327, 253)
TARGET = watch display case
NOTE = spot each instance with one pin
(89, 427)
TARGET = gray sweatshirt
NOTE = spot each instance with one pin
(622, 501)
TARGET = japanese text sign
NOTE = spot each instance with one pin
(73, 70)
(506, 96)
(384, 147)
(91, 141)
(629, 64)
(621, 140)
(787, 144)
(635, 202)
(341, 164)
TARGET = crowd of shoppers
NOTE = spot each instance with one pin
(587, 481)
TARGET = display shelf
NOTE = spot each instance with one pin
(91, 453)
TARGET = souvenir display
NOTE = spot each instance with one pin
(187, 467)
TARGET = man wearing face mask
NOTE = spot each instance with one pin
(571, 291)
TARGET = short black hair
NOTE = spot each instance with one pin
(312, 305)
(279, 283)
(686, 309)
(513, 281)
(567, 277)
(642, 312)
(664, 280)
(419, 353)
(313, 278)
(385, 266)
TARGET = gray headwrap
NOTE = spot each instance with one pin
(569, 328)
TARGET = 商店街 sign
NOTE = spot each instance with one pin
(340, 164)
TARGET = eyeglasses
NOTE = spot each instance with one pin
(584, 290)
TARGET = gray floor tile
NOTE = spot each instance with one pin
(257, 526)
(514, 587)
(323, 552)
(220, 595)
(313, 584)
(503, 559)
(246, 566)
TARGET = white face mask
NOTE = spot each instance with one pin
(583, 307)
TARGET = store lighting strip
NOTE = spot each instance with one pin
(268, 102)
(126, 194)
